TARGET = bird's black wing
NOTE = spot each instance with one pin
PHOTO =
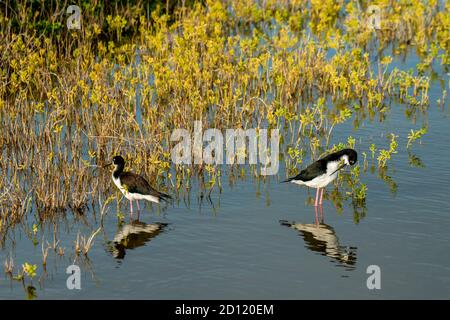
(313, 170)
(137, 184)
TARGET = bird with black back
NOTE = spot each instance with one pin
(134, 186)
(324, 171)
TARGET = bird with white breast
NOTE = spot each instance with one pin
(324, 171)
(134, 186)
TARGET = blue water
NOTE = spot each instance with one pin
(234, 247)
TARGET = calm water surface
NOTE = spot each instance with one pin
(236, 247)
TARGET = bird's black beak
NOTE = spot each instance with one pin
(107, 165)
(343, 165)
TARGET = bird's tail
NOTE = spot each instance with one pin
(287, 180)
(162, 224)
(165, 197)
(286, 223)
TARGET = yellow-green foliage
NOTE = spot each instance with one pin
(385, 155)
(72, 93)
(29, 269)
(414, 135)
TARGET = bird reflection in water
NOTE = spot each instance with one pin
(321, 238)
(133, 235)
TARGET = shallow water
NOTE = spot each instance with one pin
(234, 246)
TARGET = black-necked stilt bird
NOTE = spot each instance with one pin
(322, 238)
(134, 235)
(134, 186)
(320, 173)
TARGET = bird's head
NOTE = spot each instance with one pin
(350, 156)
(117, 161)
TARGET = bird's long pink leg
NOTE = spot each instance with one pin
(139, 210)
(317, 197)
(131, 207)
(137, 202)
(321, 196)
(317, 216)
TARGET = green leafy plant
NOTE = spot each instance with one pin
(415, 135)
(385, 155)
(29, 270)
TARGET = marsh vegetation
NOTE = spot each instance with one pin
(71, 99)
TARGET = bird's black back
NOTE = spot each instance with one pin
(137, 184)
(313, 170)
(319, 167)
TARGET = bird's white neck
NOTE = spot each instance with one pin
(345, 159)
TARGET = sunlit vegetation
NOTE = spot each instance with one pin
(70, 99)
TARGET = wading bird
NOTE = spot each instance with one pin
(320, 173)
(134, 235)
(321, 238)
(134, 186)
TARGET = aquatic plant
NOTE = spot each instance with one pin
(44, 253)
(135, 72)
(386, 154)
(360, 192)
(9, 266)
(103, 205)
(415, 135)
(84, 245)
(29, 270)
